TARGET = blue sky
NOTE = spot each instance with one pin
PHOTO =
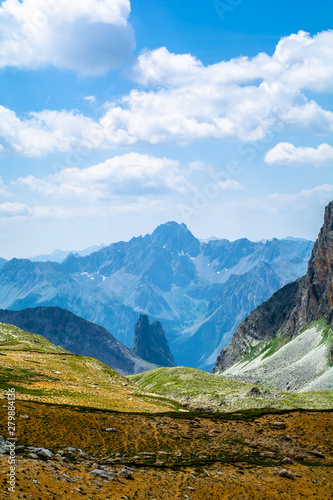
(116, 116)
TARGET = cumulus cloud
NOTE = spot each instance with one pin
(241, 98)
(87, 36)
(183, 100)
(15, 209)
(132, 174)
(299, 61)
(286, 153)
(38, 134)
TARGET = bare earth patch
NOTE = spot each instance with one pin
(169, 456)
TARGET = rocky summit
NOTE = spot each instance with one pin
(315, 300)
(296, 319)
(150, 342)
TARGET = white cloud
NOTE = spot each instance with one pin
(132, 174)
(299, 61)
(244, 98)
(15, 209)
(286, 153)
(278, 202)
(91, 99)
(88, 36)
(4, 191)
(320, 193)
(162, 67)
(41, 133)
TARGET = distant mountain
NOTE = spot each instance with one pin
(237, 296)
(2, 262)
(199, 291)
(63, 328)
(150, 342)
(211, 238)
(287, 342)
(60, 255)
(291, 238)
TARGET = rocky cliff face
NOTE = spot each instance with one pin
(316, 299)
(79, 336)
(150, 342)
(290, 309)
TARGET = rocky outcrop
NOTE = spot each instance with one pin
(79, 336)
(150, 342)
(316, 300)
(292, 308)
(261, 325)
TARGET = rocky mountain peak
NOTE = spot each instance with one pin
(292, 308)
(177, 238)
(316, 300)
(150, 342)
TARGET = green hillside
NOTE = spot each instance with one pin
(41, 371)
(198, 389)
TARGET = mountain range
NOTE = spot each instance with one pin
(60, 255)
(287, 342)
(199, 290)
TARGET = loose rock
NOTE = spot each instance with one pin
(43, 453)
(126, 474)
(103, 474)
(287, 460)
(286, 473)
(318, 454)
(279, 425)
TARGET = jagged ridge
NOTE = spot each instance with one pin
(291, 309)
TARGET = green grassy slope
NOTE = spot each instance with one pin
(41, 371)
(197, 388)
